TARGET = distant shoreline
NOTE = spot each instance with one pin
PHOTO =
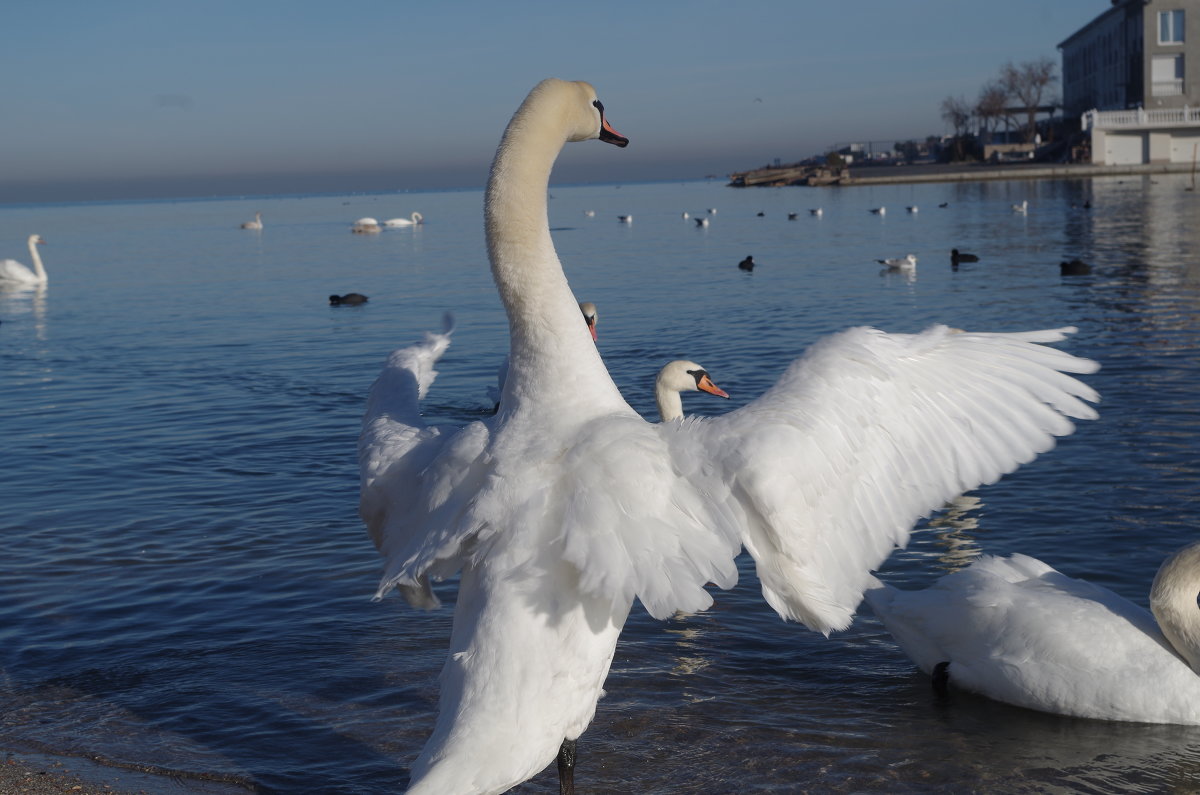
(957, 172)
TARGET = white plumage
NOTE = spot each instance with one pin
(416, 220)
(566, 505)
(1016, 630)
(13, 273)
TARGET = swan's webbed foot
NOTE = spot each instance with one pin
(941, 680)
(566, 768)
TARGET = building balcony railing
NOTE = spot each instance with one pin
(1166, 88)
(1140, 118)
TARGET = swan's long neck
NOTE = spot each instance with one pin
(670, 402)
(1173, 602)
(552, 356)
(38, 269)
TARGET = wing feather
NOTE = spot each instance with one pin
(830, 467)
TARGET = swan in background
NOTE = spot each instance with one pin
(14, 273)
(255, 224)
(905, 263)
(349, 299)
(365, 226)
(681, 376)
(1022, 208)
(416, 220)
(1016, 630)
(566, 505)
(712, 210)
(685, 215)
(590, 213)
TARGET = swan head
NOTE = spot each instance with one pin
(585, 118)
(590, 316)
(36, 240)
(678, 376)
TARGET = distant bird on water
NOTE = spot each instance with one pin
(944, 205)
(747, 264)
(913, 208)
(760, 215)
(701, 221)
(1022, 208)
(817, 211)
(365, 226)
(255, 224)
(1075, 267)
(792, 216)
(879, 210)
(625, 219)
(685, 215)
(905, 263)
(956, 257)
(349, 299)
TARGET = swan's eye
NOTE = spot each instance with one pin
(598, 105)
(699, 375)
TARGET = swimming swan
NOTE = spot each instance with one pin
(13, 272)
(1016, 630)
(255, 224)
(566, 505)
(416, 220)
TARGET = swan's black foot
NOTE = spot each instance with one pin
(566, 768)
(941, 679)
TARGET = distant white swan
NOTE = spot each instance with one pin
(255, 224)
(566, 506)
(415, 220)
(365, 226)
(676, 377)
(905, 263)
(14, 273)
(1018, 631)
(1022, 208)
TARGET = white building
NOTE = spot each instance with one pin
(1133, 76)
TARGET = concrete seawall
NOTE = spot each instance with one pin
(883, 175)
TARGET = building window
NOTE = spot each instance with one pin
(1170, 27)
(1166, 75)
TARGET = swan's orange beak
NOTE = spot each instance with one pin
(705, 383)
(611, 136)
(591, 324)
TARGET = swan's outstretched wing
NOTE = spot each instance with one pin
(866, 433)
(400, 457)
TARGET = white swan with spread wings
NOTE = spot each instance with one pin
(566, 505)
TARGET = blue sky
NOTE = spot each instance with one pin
(128, 98)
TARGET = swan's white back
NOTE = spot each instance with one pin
(1016, 630)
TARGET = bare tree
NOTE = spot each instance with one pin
(991, 107)
(957, 113)
(1029, 84)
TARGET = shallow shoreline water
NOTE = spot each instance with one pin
(187, 587)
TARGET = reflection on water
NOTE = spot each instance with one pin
(186, 585)
(954, 528)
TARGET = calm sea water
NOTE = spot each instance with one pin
(185, 586)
